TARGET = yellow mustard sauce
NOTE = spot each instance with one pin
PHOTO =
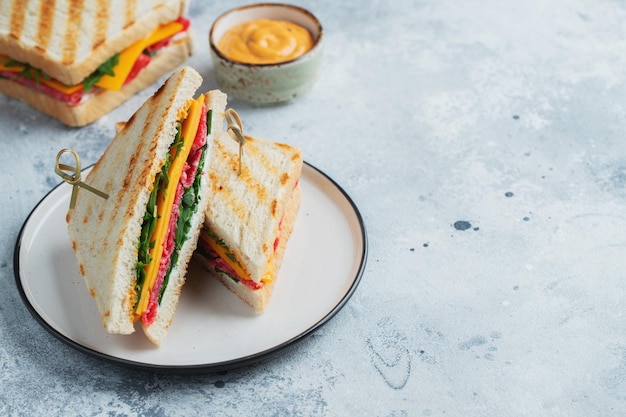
(265, 41)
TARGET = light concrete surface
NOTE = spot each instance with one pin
(484, 144)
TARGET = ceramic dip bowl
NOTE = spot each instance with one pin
(262, 84)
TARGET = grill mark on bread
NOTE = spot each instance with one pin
(18, 14)
(295, 153)
(259, 189)
(232, 163)
(239, 209)
(102, 20)
(261, 157)
(159, 91)
(129, 13)
(72, 33)
(46, 22)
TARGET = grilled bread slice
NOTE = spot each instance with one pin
(106, 100)
(64, 43)
(250, 216)
(69, 40)
(105, 234)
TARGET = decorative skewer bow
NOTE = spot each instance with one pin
(235, 131)
(74, 178)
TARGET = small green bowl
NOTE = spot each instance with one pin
(263, 84)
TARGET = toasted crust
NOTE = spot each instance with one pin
(69, 41)
(103, 102)
(104, 233)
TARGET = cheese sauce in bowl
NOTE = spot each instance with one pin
(266, 53)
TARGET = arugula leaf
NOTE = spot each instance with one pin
(216, 238)
(149, 220)
(28, 71)
(226, 273)
(35, 74)
(188, 207)
(188, 200)
(209, 121)
(229, 254)
(178, 141)
(147, 228)
(107, 68)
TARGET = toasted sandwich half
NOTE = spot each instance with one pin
(133, 248)
(76, 61)
(250, 216)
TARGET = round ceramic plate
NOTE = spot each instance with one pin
(212, 329)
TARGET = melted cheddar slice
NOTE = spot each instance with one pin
(227, 256)
(49, 82)
(127, 60)
(165, 200)
(130, 55)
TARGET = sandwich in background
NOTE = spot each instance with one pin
(250, 215)
(134, 247)
(78, 63)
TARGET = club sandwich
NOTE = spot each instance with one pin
(134, 247)
(250, 215)
(76, 61)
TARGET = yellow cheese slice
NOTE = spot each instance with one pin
(129, 56)
(127, 60)
(165, 199)
(49, 82)
(164, 32)
(67, 89)
(221, 251)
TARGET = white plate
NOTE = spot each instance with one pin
(212, 330)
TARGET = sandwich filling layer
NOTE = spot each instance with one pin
(172, 203)
(225, 261)
(113, 74)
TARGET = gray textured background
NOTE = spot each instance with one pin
(483, 142)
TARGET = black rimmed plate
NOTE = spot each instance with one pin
(212, 330)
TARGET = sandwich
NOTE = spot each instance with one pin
(134, 247)
(77, 61)
(250, 215)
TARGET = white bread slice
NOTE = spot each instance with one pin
(258, 299)
(69, 42)
(245, 210)
(157, 331)
(104, 101)
(104, 233)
